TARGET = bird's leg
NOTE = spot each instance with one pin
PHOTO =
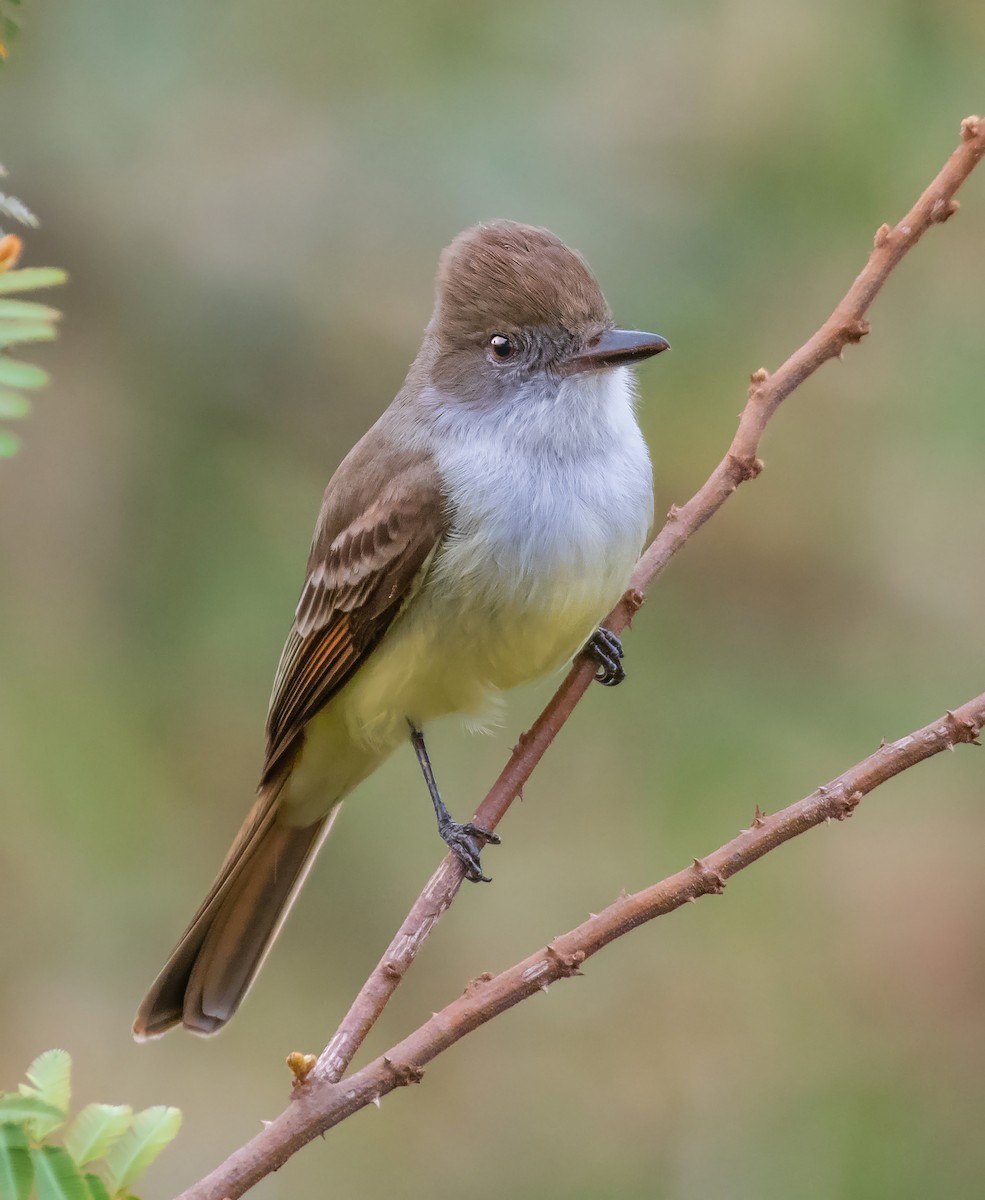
(605, 649)
(465, 840)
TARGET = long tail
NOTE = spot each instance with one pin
(212, 967)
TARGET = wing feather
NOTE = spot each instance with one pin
(361, 571)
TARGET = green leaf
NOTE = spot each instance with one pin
(12, 332)
(21, 374)
(97, 1189)
(49, 1079)
(27, 1108)
(29, 278)
(96, 1129)
(150, 1132)
(16, 1168)
(10, 443)
(13, 405)
(27, 310)
(56, 1177)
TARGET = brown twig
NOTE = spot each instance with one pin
(845, 326)
(319, 1104)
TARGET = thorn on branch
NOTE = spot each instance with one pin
(474, 985)
(942, 209)
(747, 467)
(759, 820)
(712, 883)
(970, 127)
(522, 742)
(757, 381)
(634, 600)
(854, 331)
(403, 1073)
(568, 964)
(301, 1066)
(964, 731)
(882, 236)
(847, 805)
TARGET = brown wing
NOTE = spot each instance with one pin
(362, 568)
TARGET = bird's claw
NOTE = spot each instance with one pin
(605, 649)
(466, 842)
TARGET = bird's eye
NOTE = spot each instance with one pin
(502, 348)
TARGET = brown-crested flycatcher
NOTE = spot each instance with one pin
(471, 541)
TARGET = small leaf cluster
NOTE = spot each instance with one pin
(9, 28)
(103, 1151)
(21, 321)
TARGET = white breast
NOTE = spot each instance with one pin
(551, 499)
(547, 493)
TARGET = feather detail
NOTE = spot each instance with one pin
(365, 561)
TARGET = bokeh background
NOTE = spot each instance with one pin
(251, 199)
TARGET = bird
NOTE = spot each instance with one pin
(471, 541)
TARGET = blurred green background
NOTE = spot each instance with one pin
(251, 199)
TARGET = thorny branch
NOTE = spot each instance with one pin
(319, 1104)
(322, 1102)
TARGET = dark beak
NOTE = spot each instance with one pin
(616, 348)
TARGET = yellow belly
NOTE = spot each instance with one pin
(433, 663)
(423, 670)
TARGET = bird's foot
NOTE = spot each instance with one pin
(605, 649)
(467, 842)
